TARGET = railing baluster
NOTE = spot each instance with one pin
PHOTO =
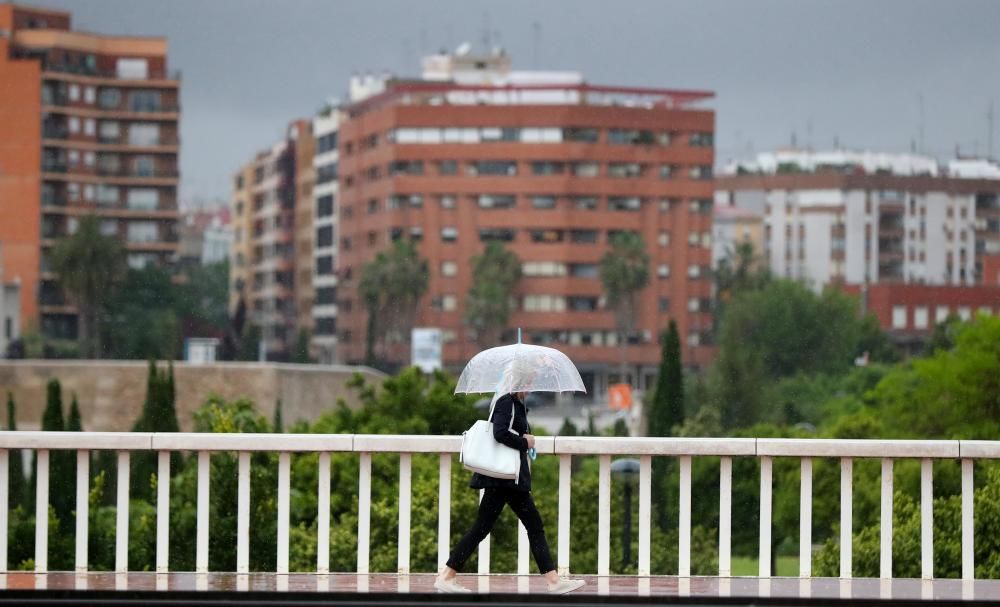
(121, 528)
(522, 549)
(645, 475)
(403, 552)
(284, 482)
(604, 515)
(42, 511)
(968, 522)
(725, 515)
(82, 507)
(885, 548)
(201, 541)
(846, 516)
(684, 522)
(764, 550)
(444, 508)
(364, 510)
(163, 512)
(805, 517)
(926, 518)
(323, 514)
(243, 512)
(565, 461)
(483, 564)
(4, 499)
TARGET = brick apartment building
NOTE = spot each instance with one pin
(89, 127)
(550, 166)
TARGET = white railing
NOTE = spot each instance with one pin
(684, 449)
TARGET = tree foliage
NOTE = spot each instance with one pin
(391, 286)
(488, 305)
(624, 272)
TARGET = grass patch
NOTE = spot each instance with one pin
(787, 566)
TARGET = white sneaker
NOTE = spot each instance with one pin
(450, 586)
(565, 585)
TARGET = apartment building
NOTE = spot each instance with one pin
(270, 229)
(548, 165)
(89, 127)
(856, 218)
(324, 209)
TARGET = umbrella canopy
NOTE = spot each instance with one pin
(520, 368)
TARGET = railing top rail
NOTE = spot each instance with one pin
(546, 445)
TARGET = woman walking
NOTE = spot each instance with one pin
(499, 492)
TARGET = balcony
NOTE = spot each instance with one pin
(684, 450)
(137, 173)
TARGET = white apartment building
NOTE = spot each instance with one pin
(862, 217)
(324, 336)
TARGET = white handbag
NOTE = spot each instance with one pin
(483, 454)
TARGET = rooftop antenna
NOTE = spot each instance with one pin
(809, 133)
(536, 35)
(920, 108)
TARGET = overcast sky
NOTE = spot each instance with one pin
(851, 70)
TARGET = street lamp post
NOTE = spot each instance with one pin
(626, 470)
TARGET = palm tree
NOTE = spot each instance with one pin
(488, 306)
(391, 286)
(90, 267)
(624, 273)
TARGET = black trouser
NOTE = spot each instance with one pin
(489, 510)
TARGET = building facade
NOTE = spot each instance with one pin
(267, 273)
(732, 226)
(867, 218)
(324, 208)
(10, 310)
(552, 168)
(89, 127)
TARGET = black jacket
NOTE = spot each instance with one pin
(506, 406)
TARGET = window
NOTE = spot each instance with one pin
(694, 271)
(499, 134)
(544, 303)
(74, 92)
(663, 270)
(664, 304)
(667, 171)
(108, 130)
(583, 236)
(666, 204)
(543, 268)
(899, 317)
(630, 137)
(920, 317)
(325, 325)
(144, 166)
(74, 124)
(449, 303)
(583, 270)
(543, 202)
(663, 239)
(449, 268)
(89, 95)
(326, 296)
(89, 158)
(447, 202)
(546, 236)
(700, 140)
(406, 167)
(625, 170)
(541, 135)
(701, 172)
(664, 137)
(941, 314)
(132, 69)
(326, 173)
(324, 236)
(142, 231)
(324, 206)
(702, 207)
(586, 169)
(372, 206)
(693, 239)
(447, 167)
(144, 101)
(449, 234)
(496, 201)
(585, 203)
(324, 265)
(624, 203)
(501, 168)
(965, 313)
(416, 233)
(90, 127)
(579, 303)
(545, 167)
(143, 199)
(584, 135)
(500, 234)
(138, 261)
(107, 194)
(109, 98)
(109, 227)
(144, 133)
(326, 143)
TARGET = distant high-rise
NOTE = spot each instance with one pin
(324, 243)
(88, 126)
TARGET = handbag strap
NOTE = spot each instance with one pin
(510, 427)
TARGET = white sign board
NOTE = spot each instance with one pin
(426, 353)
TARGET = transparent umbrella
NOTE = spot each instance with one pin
(520, 368)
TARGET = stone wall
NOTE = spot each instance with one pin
(111, 393)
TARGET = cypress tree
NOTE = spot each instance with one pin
(667, 411)
(279, 425)
(16, 463)
(61, 477)
(74, 423)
